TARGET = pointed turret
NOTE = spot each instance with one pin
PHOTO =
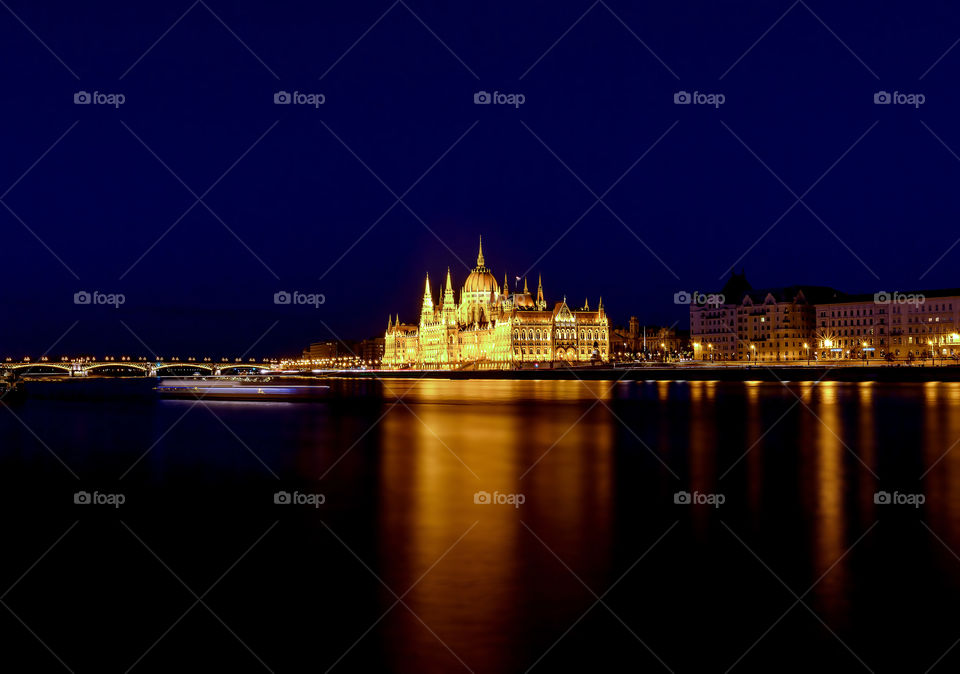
(526, 291)
(389, 322)
(541, 303)
(426, 312)
(586, 304)
(449, 305)
(480, 254)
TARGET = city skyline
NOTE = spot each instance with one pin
(799, 173)
(511, 336)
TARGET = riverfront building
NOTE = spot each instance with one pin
(743, 323)
(492, 327)
(919, 325)
(819, 323)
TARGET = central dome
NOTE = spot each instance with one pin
(481, 280)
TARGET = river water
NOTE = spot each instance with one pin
(487, 526)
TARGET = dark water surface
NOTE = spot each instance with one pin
(400, 570)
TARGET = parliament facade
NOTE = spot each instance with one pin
(493, 327)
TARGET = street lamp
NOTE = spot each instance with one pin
(753, 350)
(807, 348)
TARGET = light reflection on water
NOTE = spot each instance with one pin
(598, 464)
(459, 437)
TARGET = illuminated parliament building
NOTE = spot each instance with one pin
(492, 327)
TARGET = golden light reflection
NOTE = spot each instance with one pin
(826, 481)
(754, 458)
(867, 441)
(428, 503)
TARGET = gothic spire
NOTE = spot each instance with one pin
(526, 291)
(480, 254)
(448, 304)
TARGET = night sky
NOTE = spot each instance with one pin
(303, 198)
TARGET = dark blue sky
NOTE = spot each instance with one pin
(290, 199)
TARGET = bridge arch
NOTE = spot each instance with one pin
(22, 368)
(123, 367)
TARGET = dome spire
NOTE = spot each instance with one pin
(525, 290)
(480, 254)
